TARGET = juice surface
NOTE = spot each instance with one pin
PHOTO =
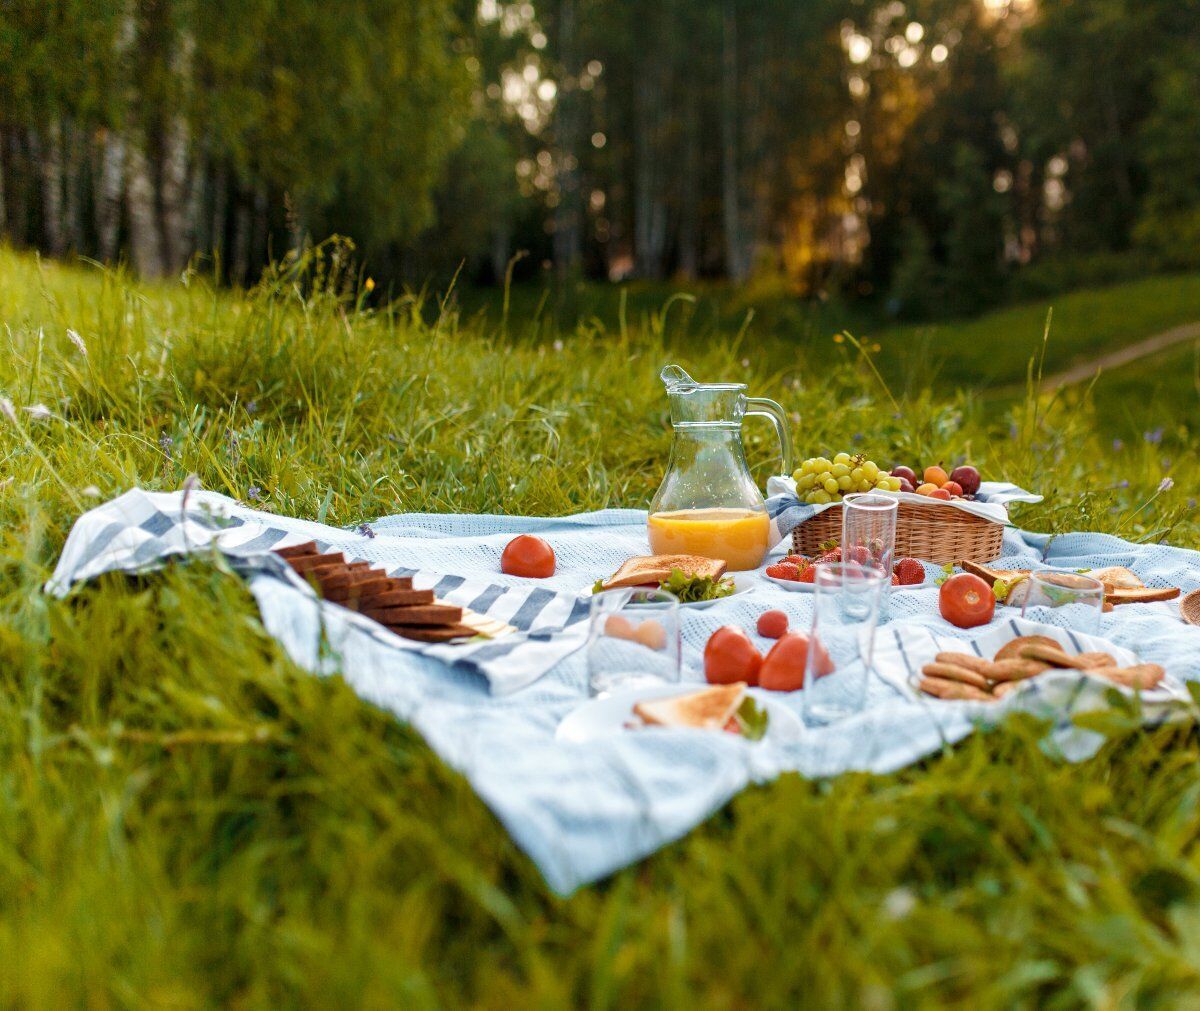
(737, 536)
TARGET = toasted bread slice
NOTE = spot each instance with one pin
(434, 633)
(418, 614)
(647, 570)
(1117, 577)
(707, 709)
(296, 550)
(1143, 595)
(990, 575)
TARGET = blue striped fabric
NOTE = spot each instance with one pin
(490, 710)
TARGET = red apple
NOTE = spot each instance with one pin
(906, 485)
(968, 478)
(906, 474)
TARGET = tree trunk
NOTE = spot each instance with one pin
(18, 206)
(568, 245)
(173, 193)
(735, 266)
(689, 198)
(240, 266)
(220, 202)
(144, 239)
(49, 155)
(174, 167)
(108, 194)
(76, 155)
(3, 200)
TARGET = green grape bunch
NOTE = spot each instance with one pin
(820, 481)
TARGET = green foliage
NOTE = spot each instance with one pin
(186, 819)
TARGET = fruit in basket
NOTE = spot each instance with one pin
(730, 656)
(906, 485)
(783, 668)
(968, 479)
(906, 474)
(941, 493)
(954, 488)
(820, 481)
(936, 476)
(966, 600)
(527, 555)
(926, 489)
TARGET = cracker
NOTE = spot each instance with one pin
(955, 672)
(946, 689)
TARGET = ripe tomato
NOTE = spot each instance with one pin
(783, 669)
(528, 556)
(772, 624)
(966, 600)
(730, 656)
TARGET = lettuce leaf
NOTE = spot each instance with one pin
(690, 589)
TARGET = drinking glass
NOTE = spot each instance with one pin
(842, 640)
(869, 530)
(633, 639)
(1079, 598)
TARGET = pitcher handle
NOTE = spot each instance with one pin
(761, 407)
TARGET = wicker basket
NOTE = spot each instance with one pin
(932, 532)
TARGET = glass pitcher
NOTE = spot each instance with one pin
(708, 504)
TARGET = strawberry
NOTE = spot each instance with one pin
(910, 572)
(808, 574)
(784, 570)
(859, 554)
(895, 580)
(798, 560)
(831, 556)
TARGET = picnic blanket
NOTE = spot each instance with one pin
(581, 811)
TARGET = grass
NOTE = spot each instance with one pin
(186, 819)
(994, 350)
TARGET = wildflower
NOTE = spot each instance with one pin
(1123, 483)
(745, 363)
(364, 530)
(1166, 484)
(1153, 437)
(39, 412)
(91, 491)
(75, 339)
(6, 408)
(1013, 431)
(1118, 445)
(838, 339)
(165, 443)
(857, 437)
(370, 285)
(1191, 503)
(899, 902)
(558, 345)
(251, 406)
(254, 493)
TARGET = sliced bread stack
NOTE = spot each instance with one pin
(389, 600)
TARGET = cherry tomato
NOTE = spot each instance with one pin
(730, 656)
(966, 600)
(783, 669)
(772, 624)
(528, 556)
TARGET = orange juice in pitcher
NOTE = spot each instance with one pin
(739, 536)
(708, 503)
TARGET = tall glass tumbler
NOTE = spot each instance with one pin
(1079, 598)
(842, 641)
(869, 530)
(633, 640)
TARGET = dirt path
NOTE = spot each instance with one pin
(1151, 345)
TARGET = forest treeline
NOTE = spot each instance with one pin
(927, 154)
